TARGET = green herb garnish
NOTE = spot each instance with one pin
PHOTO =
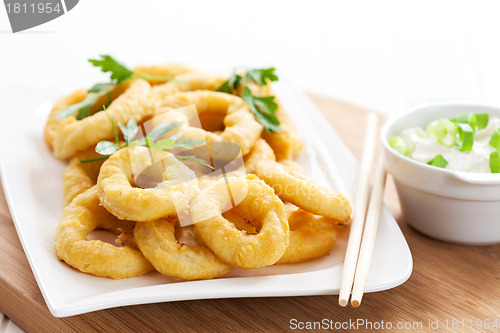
(260, 76)
(264, 108)
(196, 159)
(231, 85)
(161, 129)
(187, 143)
(160, 144)
(119, 74)
(152, 140)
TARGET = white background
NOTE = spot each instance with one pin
(383, 55)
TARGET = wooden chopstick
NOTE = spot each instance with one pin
(360, 203)
(369, 235)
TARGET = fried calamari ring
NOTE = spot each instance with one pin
(79, 177)
(68, 136)
(52, 124)
(293, 168)
(311, 236)
(154, 73)
(157, 241)
(80, 217)
(296, 190)
(122, 199)
(260, 205)
(287, 143)
(261, 151)
(188, 82)
(217, 110)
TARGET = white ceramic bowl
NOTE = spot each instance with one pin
(457, 207)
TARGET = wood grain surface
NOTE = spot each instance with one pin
(449, 283)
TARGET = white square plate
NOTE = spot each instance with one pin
(32, 181)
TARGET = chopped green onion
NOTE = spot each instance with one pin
(482, 120)
(399, 145)
(495, 162)
(466, 118)
(466, 137)
(495, 139)
(438, 161)
(444, 130)
(475, 120)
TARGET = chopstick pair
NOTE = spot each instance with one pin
(365, 224)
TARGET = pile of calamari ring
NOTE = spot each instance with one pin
(276, 214)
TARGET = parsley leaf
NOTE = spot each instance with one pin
(115, 132)
(100, 87)
(232, 84)
(84, 112)
(95, 159)
(260, 76)
(159, 130)
(129, 132)
(85, 104)
(160, 144)
(264, 109)
(196, 159)
(177, 135)
(225, 87)
(119, 72)
(148, 77)
(97, 91)
(106, 147)
(188, 143)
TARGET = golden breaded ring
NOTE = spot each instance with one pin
(169, 70)
(235, 246)
(79, 177)
(188, 82)
(144, 204)
(80, 217)
(68, 136)
(230, 112)
(287, 143)
(236, 217)
(158, 243)
(296, 190)
(52, 124)
(293, 168)
(311, 236)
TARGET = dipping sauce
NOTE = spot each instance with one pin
(469, 142)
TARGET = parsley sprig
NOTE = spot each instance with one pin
(119, 74)
(260, 76)
(152, 140)
(264, 108)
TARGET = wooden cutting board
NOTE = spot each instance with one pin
(450, 284)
